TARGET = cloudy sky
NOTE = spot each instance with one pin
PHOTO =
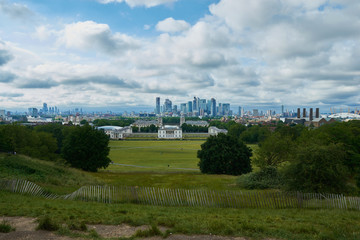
(124, 53)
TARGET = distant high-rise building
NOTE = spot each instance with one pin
(45, 108)
(175, 109)
(282, 110)
(168, 106)
(2, 113)
(183, 108)
(157, 106)
(213, 107)
(202, 106)
(33, 112)
(189, 107)
(255, 112)
(226, 109)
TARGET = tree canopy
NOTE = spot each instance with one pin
(86, 148)
(223, 154)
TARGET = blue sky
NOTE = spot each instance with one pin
(124, 53)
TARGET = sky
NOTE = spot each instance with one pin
(121, 54)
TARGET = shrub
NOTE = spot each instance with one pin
(5, 227)
(267, 177)
(46, 223)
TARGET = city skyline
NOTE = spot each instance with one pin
(122, 54)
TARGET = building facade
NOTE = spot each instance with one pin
(170, 132)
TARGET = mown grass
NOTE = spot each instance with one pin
(290, 224)
(162, 156)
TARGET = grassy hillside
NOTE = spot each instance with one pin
(50, 175)
(291, 224)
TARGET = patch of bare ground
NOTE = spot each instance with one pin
(25, 229)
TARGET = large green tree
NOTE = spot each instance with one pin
(86, 148)
(223, 154)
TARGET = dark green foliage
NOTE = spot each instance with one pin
(152, 129)
(5, 227)
(236, 130)
(267, 177)
(255, 134)
(20, 139)
(48, 224)
(318, 168)
(86, 148)
(191, 128)
(273, 151)
(106, 122)
(223, 154)
(153, 231)
(135, 129)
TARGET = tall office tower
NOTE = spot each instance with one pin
(167, 105)
(226, 109)
(183, 108)
(317, 114)
(157, 106)
(45, 108)
(175, 110)
(304, 112)
(282, 110)
(242, 112)
(196, 104)
(33, 112)
(2, 113)
(189, 107)
(255, 112)
(219, 110)
(202, 105)
(239, 112)
(213, 107)
(208, 107)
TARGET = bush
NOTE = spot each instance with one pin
(267, 177)
(5, 227)
(46, 223)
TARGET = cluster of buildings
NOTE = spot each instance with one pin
(196, 107)
(164, 131)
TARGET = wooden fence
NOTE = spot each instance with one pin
(184, 197)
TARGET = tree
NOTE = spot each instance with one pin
(235, 130)
(86, 148)
(318, 168)
(223, 154)
(273, 150)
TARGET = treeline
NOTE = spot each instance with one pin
(325, 159)
(150, 129)
(107, 122)
(187, 128)
(82, 147)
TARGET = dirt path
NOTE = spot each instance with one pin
(26, 230)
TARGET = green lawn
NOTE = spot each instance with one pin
(164, 156)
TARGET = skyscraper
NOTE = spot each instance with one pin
(45, 108)
(168, 106)
(189, 107)
(213, 107)
(157, 108)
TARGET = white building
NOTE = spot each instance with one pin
(115, 132)
(215, 131)
(170, 132)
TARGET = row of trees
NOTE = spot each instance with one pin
(326, 159)
(81, 147)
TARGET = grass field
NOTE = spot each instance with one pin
(161, 156)
(291, 224)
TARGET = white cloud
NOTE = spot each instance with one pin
(171, 25)
(137, 3)
(90, 35)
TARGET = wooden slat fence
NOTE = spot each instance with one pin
(194, 197)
